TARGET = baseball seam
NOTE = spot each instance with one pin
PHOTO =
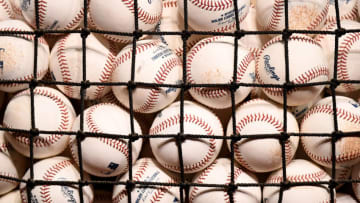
(308, 177)
(8, 8)
(210, 5)
(343, 52)
(237, 172)
(64, 66)
(276, 14)
(143, 15)
(351, 15)
(28, 77)
(319, 18)
(63, 126)
(160, 77)
(42, 12)
(343, 114)
(170, 4)
(173, 120)
(8, 174)
(76, 20)
(29, 37)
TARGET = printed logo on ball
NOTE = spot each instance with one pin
(270, 70)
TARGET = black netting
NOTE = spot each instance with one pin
(183, 184)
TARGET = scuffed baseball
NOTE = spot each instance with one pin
(155, 63)
(307, 64)
(303, 15)
(347, 10)
(55, 169)
(16, 8)
(258, 116)
(344, 198)
(299, 171)
(17, 56)
(54, 15)
(320, 119)
(146, 169)
(112, 155)
(218, 15)
(219, 173)
(11, 197)
(52, 112)
(118, 16)
(348, 54)
(211, 61)
(342, 173)
(66, 64)
(197, 120)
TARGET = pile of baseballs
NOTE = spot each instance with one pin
(139, 111)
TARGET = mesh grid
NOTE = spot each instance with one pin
(183, 185)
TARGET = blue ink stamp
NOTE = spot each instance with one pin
(270, 70)
(1, 59)
(25, 4)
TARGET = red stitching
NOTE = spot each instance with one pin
(7, 8)
(29, 37)
(160, 77)
(170, 4)
(63, 126)
(143, 15)
(352, 15)
(4, 147)
(320, 18)
(276, 14)
(137, 177)
(42, 12)
(76, 20)
(8, 174)
(344, 50)
(39, 74)
(93, 127)
(174, 120)
(211, 5)
(200, 180)
(343, 114)
(309, 177)
(64, 66)
(50, 173)
(107, 72)
(237, 172)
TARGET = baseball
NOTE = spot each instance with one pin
(155, 63)
(197, 120)
(215, 15)
(118, 16)
(319, 148)
(342, 173)
(146, 169)
(54, 15)
(307, 64)
(219, 173)
(348, 54)
(258, 116)
(17, 56)
(66, 64)
(211, 60)
(55, 169)
(303, 14)
(355, 175)
(7, 169)
(13, 197)
(344, 198)
(16, 8)
(299, 171)
(347, 10)
(6, 10)
(112, 155)
(48, 103)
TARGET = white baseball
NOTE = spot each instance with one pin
(13, 197)
(344, 198)
(112, 155)
(347, 10)
(299, 171)
(355, 175)
(258, 116)
(155, 63)
(55, 169)
(6, 10)
(17, 56)
(66, 64)
(348, 54)
(211, 60)
(54, 15)
(219, 173)
(147, 170)
(16, 8)
(48, 103)
(215, 15)
(7, 169)
(342, 173)
(118, 16)
(303, 14)
(197, 120)
(307, 64)
(319, 148)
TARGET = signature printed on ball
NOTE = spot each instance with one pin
(270, 69)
